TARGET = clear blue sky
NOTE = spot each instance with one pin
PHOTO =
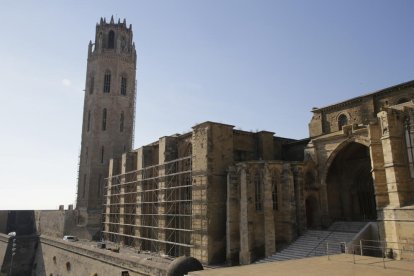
(258, 65)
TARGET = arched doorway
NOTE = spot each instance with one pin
(312, 212)
(350, 185)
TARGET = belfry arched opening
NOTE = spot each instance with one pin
(350, 185)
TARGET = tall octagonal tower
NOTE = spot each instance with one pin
(108, 114)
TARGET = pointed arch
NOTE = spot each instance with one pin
(111, 39)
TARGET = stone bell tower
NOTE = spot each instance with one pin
(108, 114)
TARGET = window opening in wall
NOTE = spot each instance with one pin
(104, 119)
(258, 191)
(68, 266)
(274, 192)
(89, 121)
(121, 123)
(86, 155)
(111, 39)
(84, 186)
(91, 84)
(102, 154)
(123, 85)
(107, 82)
(342, 121)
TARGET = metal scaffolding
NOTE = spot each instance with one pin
(151, 208)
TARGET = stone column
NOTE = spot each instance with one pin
(245, 219)
(395, 157)
(377, 165)
(233, 217)
(269, 220)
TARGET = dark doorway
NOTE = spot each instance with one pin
(311, 206)
(351, 193)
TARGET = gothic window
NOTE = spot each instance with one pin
(111, 40)
(274, 192)
(89, 121)
(258, 191)
(104, 119)
(91, 84)
(107, 82)
(86, 155)
(102, 154)
(121, 123)
(342, 120)
(123, 85)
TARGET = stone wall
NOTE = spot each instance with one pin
(56, 257)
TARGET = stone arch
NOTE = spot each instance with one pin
(350, 188)
(356, 139)
(111, 39)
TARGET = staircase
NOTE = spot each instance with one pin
(313, 242)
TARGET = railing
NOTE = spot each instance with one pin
(385, 250)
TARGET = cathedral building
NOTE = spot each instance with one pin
(108, 114)
(224, 195)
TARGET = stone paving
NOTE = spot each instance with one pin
(341, 264)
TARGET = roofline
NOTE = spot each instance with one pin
(355, 99)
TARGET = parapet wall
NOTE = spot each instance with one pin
(61, 258)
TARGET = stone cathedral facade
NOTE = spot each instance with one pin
(224, 195)
(108, 115)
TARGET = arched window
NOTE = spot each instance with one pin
(104, 119)
(121, 123)
(91, 84)
(111, 40)
(123, 85)
(342, 120)
(107, 82)
(88, 125)
(258, 191)
(274, 192)
(102, 154)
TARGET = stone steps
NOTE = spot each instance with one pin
(313, 242)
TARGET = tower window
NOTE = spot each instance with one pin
(86, 155)
(102, 154)
(342, 120)
(274, 192)
(91, 84)
(104, 119)
(123, 85)
(121, 124)
(89, 121)
(111, 40)
(107, 82)
(258, 191)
